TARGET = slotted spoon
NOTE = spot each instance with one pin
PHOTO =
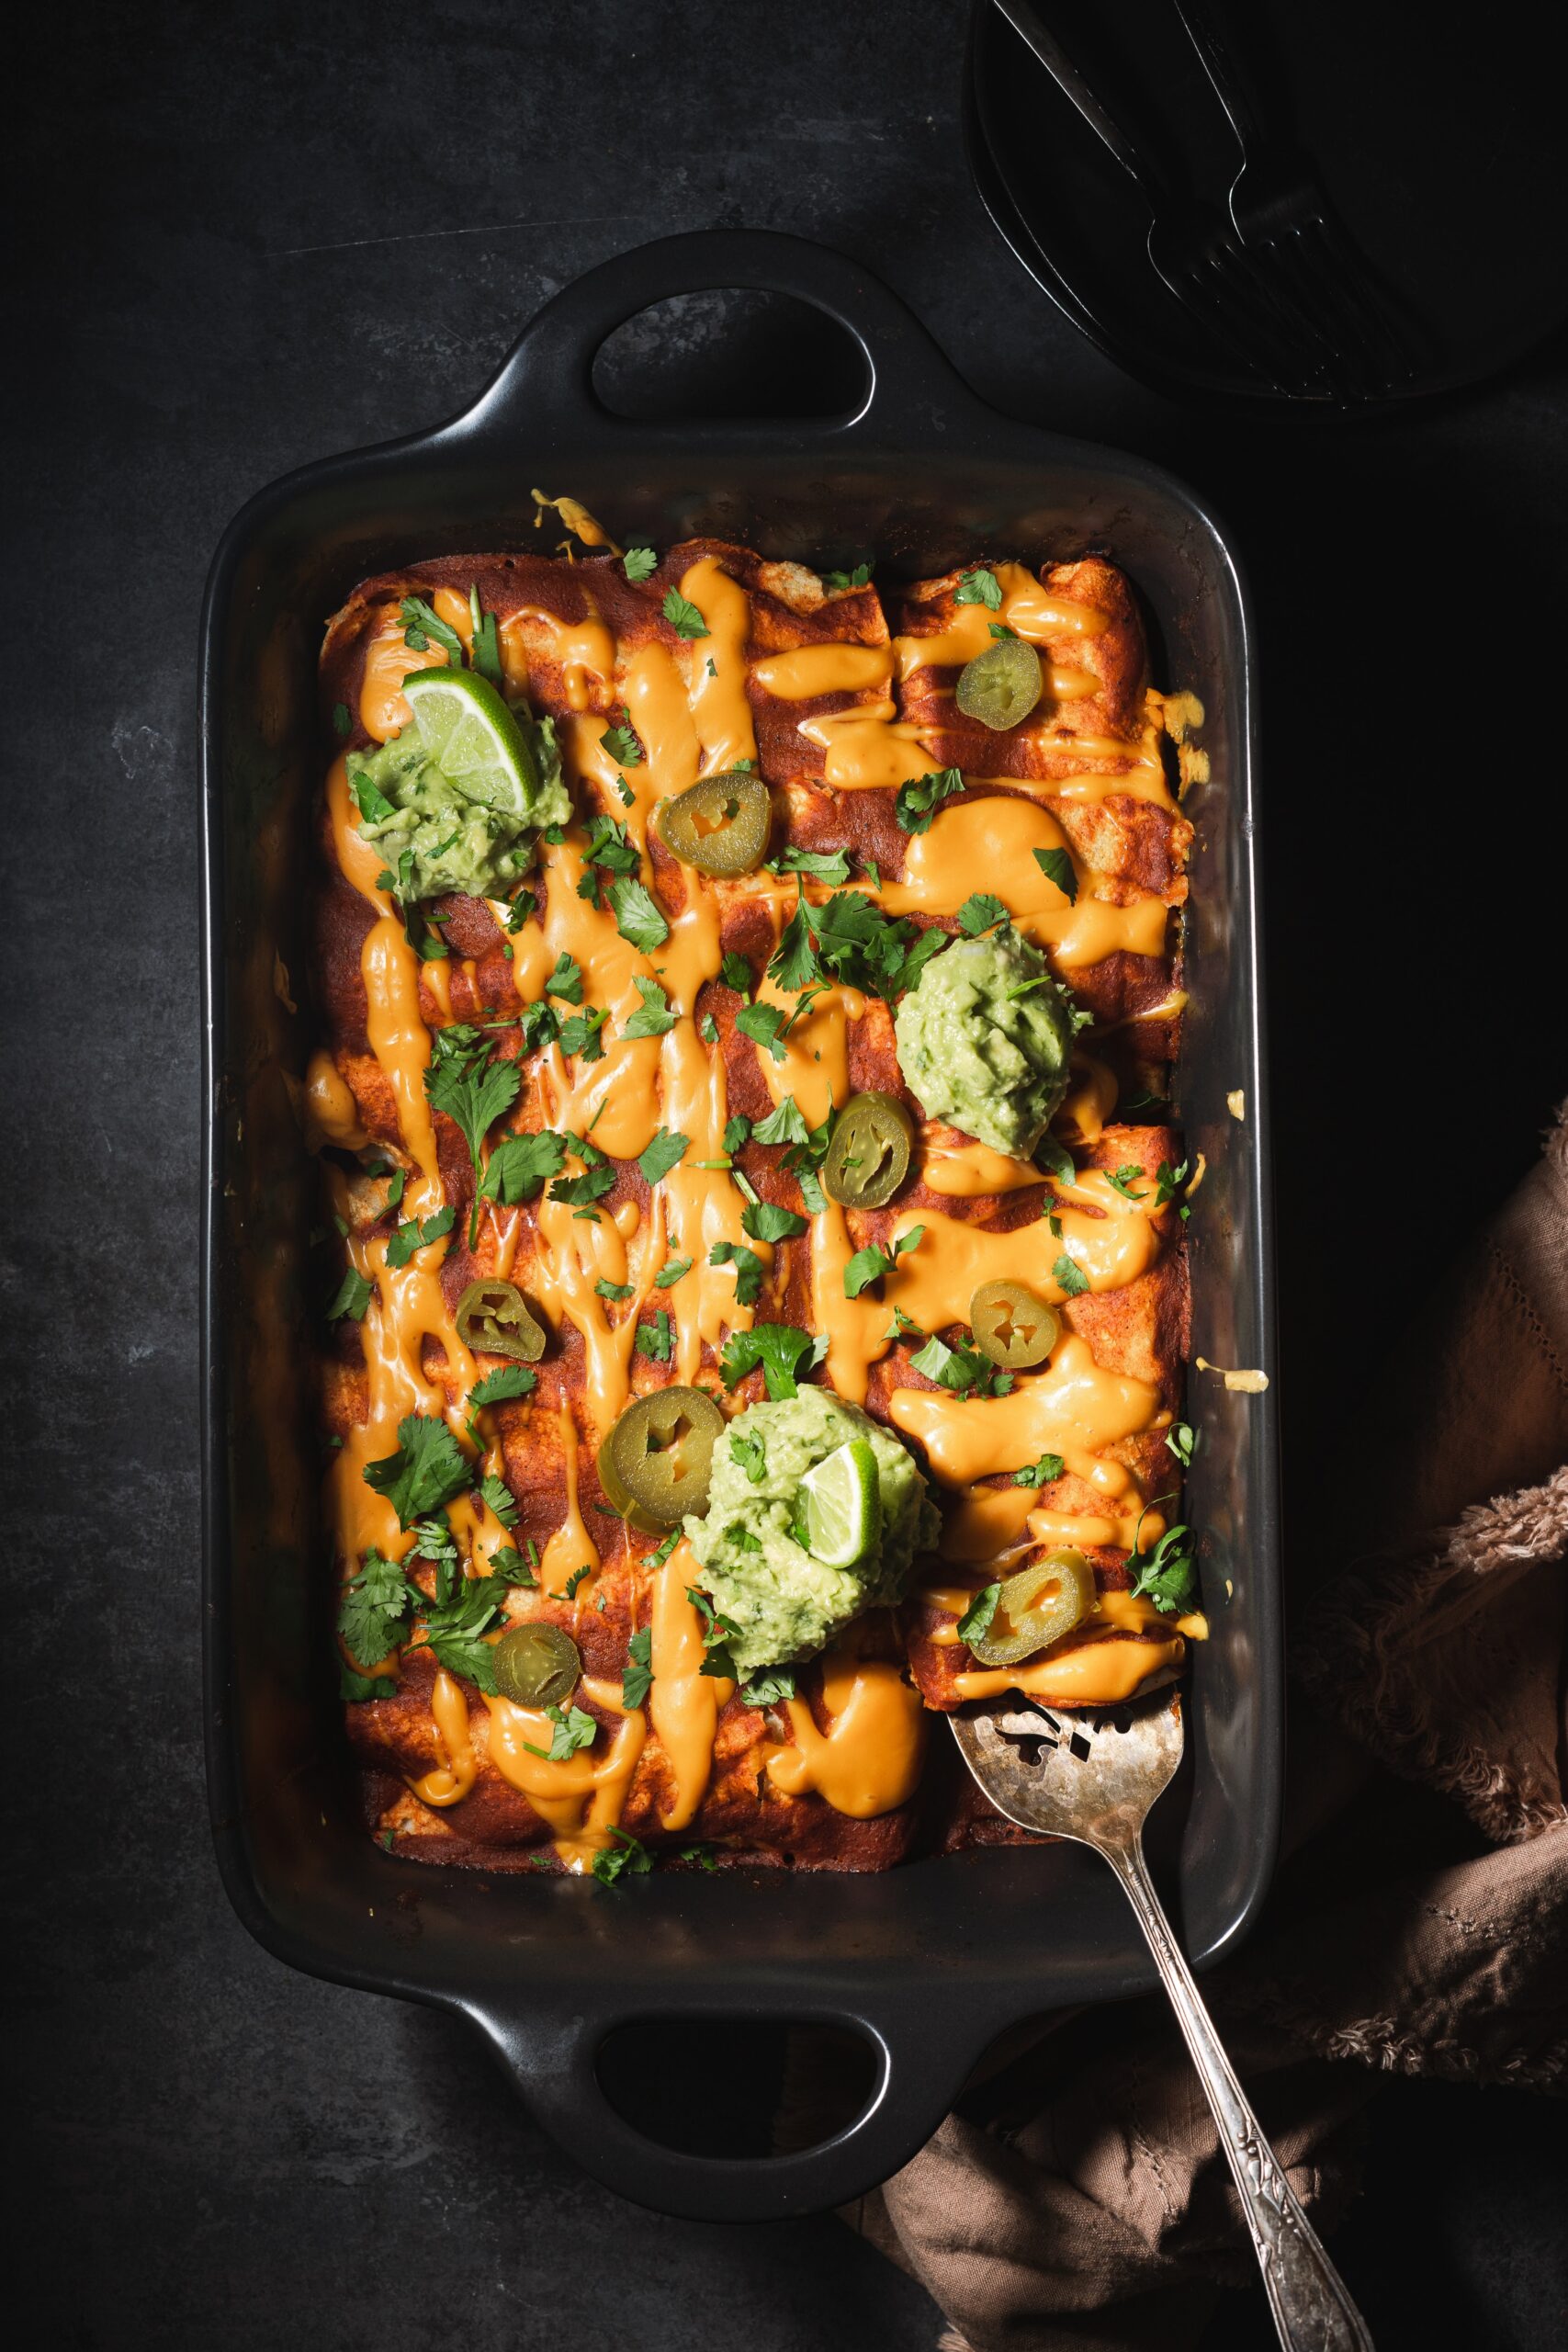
(1095, 1778)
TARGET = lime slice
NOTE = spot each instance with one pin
(842, 1500)
(473, 739)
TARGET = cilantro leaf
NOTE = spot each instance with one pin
(607, 1289)
(1169, 1182)
(566, 981)
(707, 1030)
(671, 1273)
(779, 1348)
(365, 1686)
(428, 1469)
(653, 1016)
(975, 1621)
(372, 803)
(636, 1674)
(623, 747)
(736, 973)
(614, 1861)
(485, 647)
(538, 1025)
(1057, 866)
(342, 723)
(1043, 1473)
(869, 1265)
(372, 1607)
(682, 616)
(749, 1270)
(980, 912)
(749, 1453)
(794, 961)
(354, 1296)
(980, 587)
(507, 1381)
(637, 562)
(520, 909)
(766, 1689)
(579, 1035)
(1169, 1575)
(1070, 1274)
(1182, 1440)
(422, 628)
(407, 1238)
(609, 845)
(658, 1158)
(474, 1098)
(917, 803)
(737, 1131)
(1121, 1181)
(580, 1191)
(509, 1564)
(718, 1633)
(574, 1728)
(785, 1124)
(764, 1222)
(823, 866)
(855, 578)
(960, 1368)
(638, 917)
(521, 1166)
(1056, 1160)
(656, 1340)
(499, 1498)
(761, 1024)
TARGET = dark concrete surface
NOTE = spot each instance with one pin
(251, 237)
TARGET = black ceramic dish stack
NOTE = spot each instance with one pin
(1438, 150)
(931, 1962)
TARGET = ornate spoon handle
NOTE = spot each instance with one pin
(1312, 2307)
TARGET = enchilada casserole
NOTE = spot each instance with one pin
(752, 1259)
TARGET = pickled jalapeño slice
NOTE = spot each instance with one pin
(1011, 1326)
(720, 825)
(661, 1451)
(1035, 1608)
(538, 1665)
(1000, 686)
(869, 1156)
(494, 1315)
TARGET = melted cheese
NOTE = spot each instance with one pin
(989, 844)
(868, 1759)
(1074, 1407)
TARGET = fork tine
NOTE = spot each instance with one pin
(1294, 335)
(1393, 340)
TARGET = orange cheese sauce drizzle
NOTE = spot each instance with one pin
(690, 709)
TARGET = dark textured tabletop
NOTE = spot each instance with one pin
(252, 237)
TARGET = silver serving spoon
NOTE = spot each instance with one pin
(1095, 1778)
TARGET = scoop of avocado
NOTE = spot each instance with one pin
(453, 842)
(985, 1037)
(783, 1603)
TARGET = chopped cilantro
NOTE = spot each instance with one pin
(785, 1124)
(917, 803)
(566, 979)
(1070, 1275)
(707, 1030)
(638, 917)
(580, 1191)
(682, 616)
(975, 1621)
(1043, 1473)
(353, 1686)
(1182, 1440)
(979, 913)
(658, 1158)
(623, 747)
(764, 1222)
(342, 723)
(579, 1035)
(1169, 1575)
(428, 1469)
(521, 1166)
(869, 1265)
(354, 1296)
(637, 562)
(508, 1381)
(576, 1578)
(607, 1289)
(407, 1238)
(1121, 1181)
(737, 1131)
(749, 1453)
(671, 1272)
(736, 973)
(823, 866)
(653, 1016)
(509, 1564)
(779, 1348)
(372, 1607)
(766, 1689)
(636, 1674)
(1057, 866)
(574, 1728)
(614, 1862)
(980, 587)
(656, 1340)
(855, 578)
(749, 1270)
(423, 629)
(763, 1024)
(499, 1498)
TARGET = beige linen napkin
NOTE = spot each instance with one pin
(1419, 1920)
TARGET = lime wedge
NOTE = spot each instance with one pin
(842, 1502)
(473, 739)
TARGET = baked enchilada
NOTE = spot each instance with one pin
(753, 1263)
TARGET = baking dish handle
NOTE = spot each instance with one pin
(546, 381)
(552, 2060)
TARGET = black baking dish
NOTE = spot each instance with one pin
(933, 1959)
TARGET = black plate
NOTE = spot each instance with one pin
(1440, 147)
(931, 1962)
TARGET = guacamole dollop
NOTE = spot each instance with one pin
(451, 839)
(783, 1603)
(985, 1037)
